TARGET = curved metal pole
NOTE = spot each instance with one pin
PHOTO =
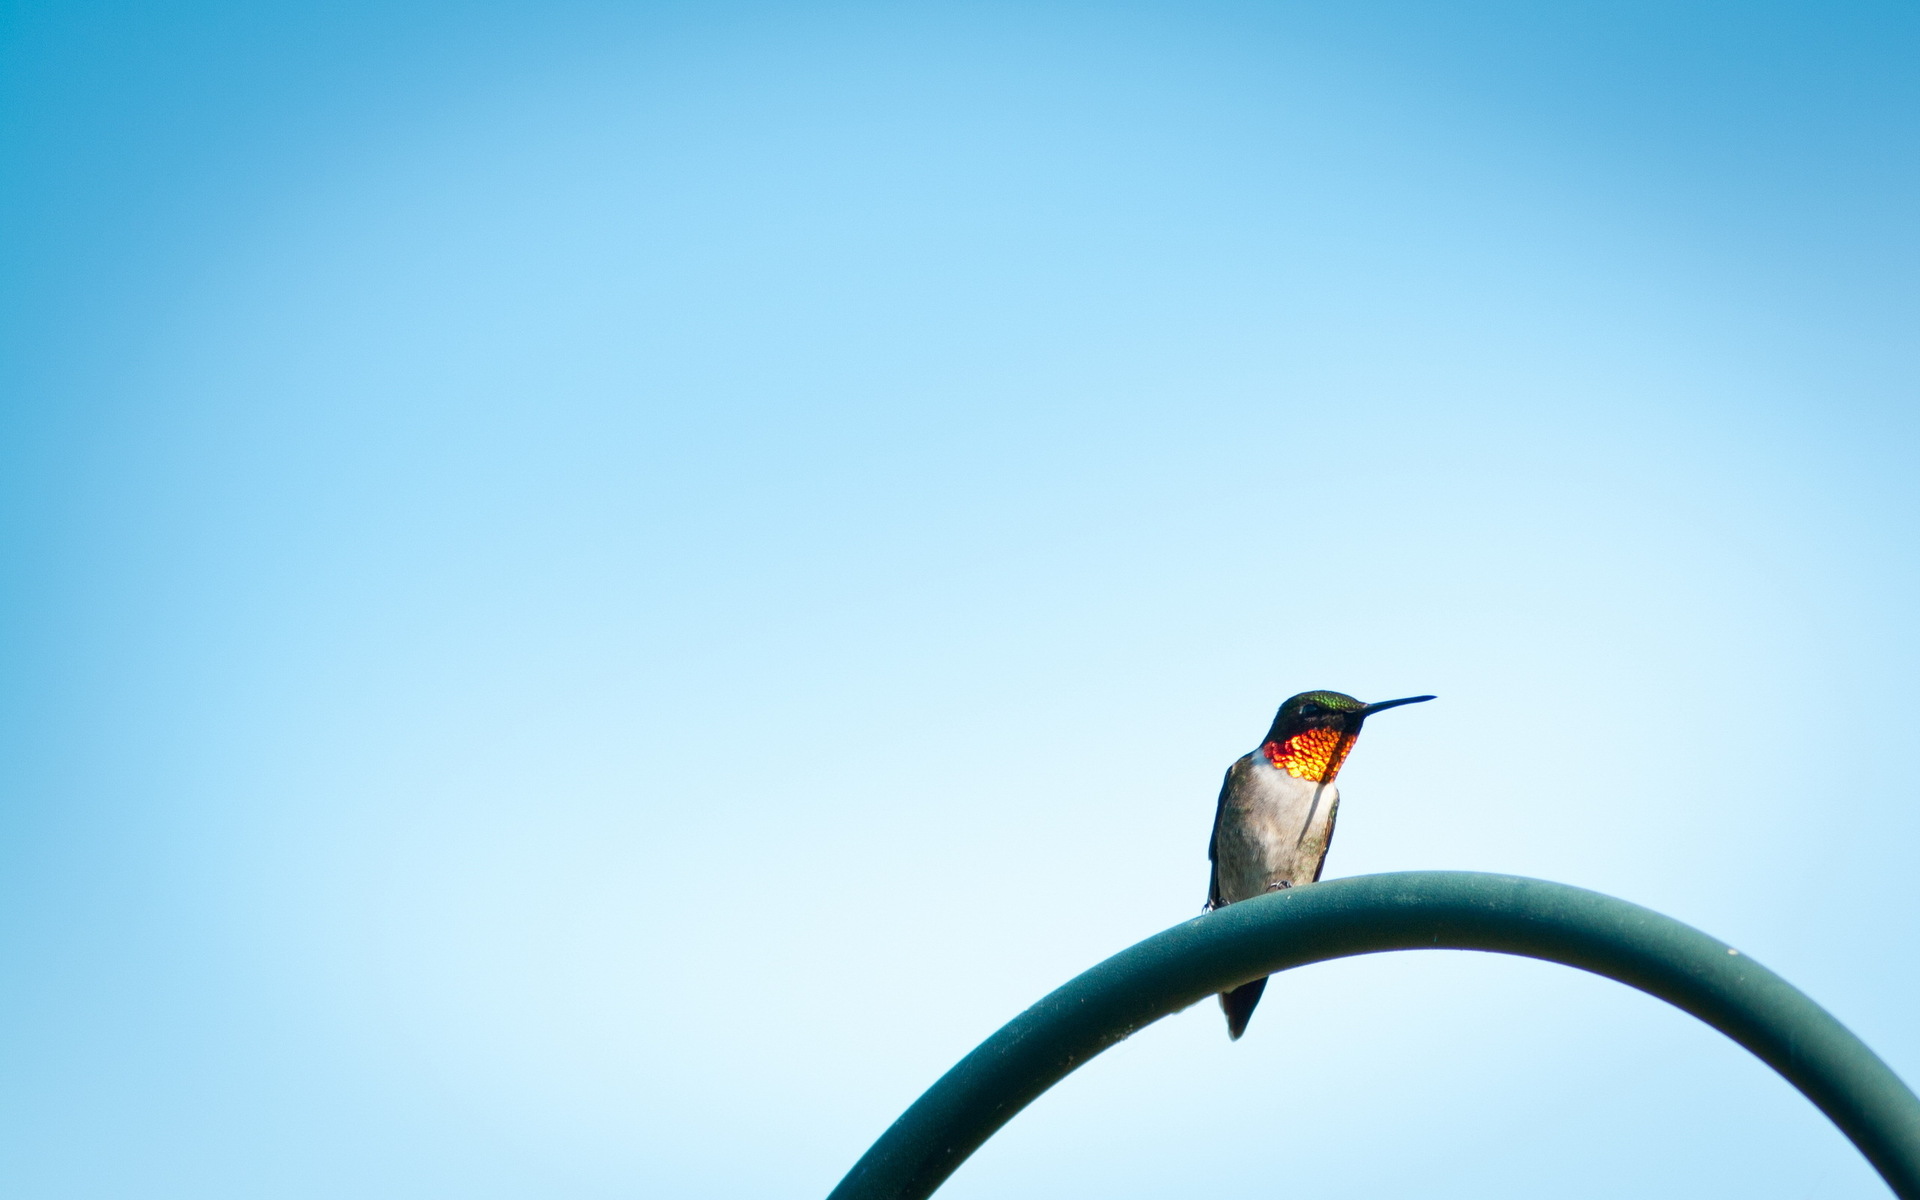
(1415, 910)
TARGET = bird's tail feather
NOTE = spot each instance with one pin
(1239, 1004)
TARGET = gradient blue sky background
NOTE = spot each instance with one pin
(596, 592)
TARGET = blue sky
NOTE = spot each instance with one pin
(595, 593)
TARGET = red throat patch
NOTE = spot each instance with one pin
(1310, 755)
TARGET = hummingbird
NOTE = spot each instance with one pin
(1275, 817)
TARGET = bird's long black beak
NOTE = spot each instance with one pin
(1371, 709)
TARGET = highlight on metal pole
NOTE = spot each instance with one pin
(1368, 914)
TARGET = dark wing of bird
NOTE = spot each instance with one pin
(1333, 814)
(1213, 842)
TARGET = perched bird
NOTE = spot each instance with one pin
(1275, 816)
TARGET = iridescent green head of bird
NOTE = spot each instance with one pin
(1313, 732)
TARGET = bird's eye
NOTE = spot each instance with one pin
(1309, 709)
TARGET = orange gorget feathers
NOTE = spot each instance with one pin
(1310, 755)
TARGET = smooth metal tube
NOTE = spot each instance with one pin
(1414, 910)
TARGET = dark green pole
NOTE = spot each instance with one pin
(1415, 910)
